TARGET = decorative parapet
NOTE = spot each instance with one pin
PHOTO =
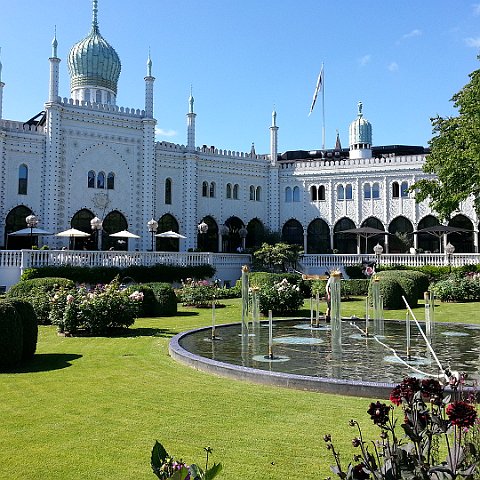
(102, 107)
(12, 126)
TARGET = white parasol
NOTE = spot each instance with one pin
(170, 234)
(124, 234)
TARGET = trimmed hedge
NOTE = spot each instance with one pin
(140, 274)
(11, 336)
(37, 292)
(159, 299)
(29, 321)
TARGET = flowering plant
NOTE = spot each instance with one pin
(282, 298)
(94, 310)
(198, 293)
(415, 455)
(164, 466)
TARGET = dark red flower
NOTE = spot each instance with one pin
(432, 389)
(359, 472)
(396, 396)
(379, 413)
(461, 414)
(406, 390)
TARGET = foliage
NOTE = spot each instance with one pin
(198, 293)
(29, 322)
(279, 257)
(355, 271)
(348, 287)
(404, 240)
(397, 283)
(166, 298)
(282, 298)
(415, 455)
(11, 336)
(37, 291)
(458, 288)
(455, 155)
(143, 274)
(164, 466)
(96, 311)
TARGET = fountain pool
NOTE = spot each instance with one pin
(310, 358)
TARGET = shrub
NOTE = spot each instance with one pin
(257, 279)
(166, 298)
(29, 321)
(350, 287)
(458, 289)
(391, 293)
(11, 336)
(355, 271)
(197, 293)
(411, 285)
(37, 292)
(282, 298)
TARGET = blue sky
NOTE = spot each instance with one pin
(403, 59)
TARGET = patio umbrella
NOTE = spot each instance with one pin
(25, 232)
(439, 231)
(124, 234)
(170, 234)
(73, 233)
(365, 232)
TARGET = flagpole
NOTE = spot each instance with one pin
(323, 109)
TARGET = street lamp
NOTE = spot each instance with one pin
(152, 228)
(32, 222)
(243, 232)
(224, 231)
(449, 249)
(96, 225)
(378, 250)
(202, 230)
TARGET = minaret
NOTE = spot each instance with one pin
(274, 139)
(191, 123)
(54, 71)
(360, 136)
(149, 81)
(1, 87)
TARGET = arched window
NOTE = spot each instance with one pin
(229, 190)
(101, 180)
(98, 97)
(168, 191)
(313, 193)
(110, 181)
(395, 190)
(321, 192)
(367, 191)
(296, 194)
(258, 194)
(288, 195)
(348, 192)
(340, 192)
(235, 191)
(404, 190)
(212, 190)
(22, 179)
(205, 189)
(376, 190)
(87, 94)
(252, 192)
(109, 97)
(91, 179)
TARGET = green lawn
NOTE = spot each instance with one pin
(91, 408)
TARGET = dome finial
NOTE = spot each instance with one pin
(149, 64)
(360, 108)
(191, 100)
(95, 16)
(0, 66)
(54, 43)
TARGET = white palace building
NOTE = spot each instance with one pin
(86, 158)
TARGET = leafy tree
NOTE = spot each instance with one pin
(278, 257)
(455, 154)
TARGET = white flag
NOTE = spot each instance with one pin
(317, 89)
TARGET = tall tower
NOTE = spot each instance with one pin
(149, 81)
(54, 71)
(274, 139)
(360, 136)
(191, 124)
(1, 87)
(273, 183)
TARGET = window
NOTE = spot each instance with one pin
(296, 194)
(110, 181)
(22, 179)
(205, 189)
(168, 191)
(98, 97)
(229, 190)
(87, 94)
(313, 193)
(212, 190)
(395, 190)
(348, 192)
(321, 192)
(376, 190)
(235, 191)
(101, 180)
(252, 192)
(91, 179)
(288, 195)
(109, 97)
(367, 191)
(404, 190)
(340, 192)
(258, 194)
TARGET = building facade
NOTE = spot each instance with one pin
(85, 158)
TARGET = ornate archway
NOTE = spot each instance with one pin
(318, 236)
(425, 241)
(165, 223)
(374, 222)
(256, 233)
(114, 222)
(208, 241)
(81, 221)
(14, 221)
(344, 242)
(292, 232)
(400, 243)
(463, 242)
